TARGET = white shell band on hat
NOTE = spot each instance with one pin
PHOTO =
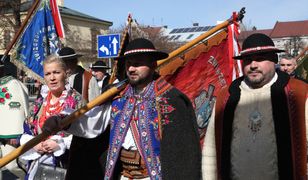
(66, 56)
(99, 67)
(139, 50)
(258, 49)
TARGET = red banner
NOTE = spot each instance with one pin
(203, 71)
(210, 67)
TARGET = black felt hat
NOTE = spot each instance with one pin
(68, 53)
(142, 46)
(257, 44)
(99, 65)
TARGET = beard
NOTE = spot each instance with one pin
(138, 81)
(255, 81)
(259, 80)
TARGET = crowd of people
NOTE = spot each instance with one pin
(149, 131)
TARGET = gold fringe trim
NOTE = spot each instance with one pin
(173, 64)
(27, 70)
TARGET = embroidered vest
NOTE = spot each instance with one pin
(148, 131)
(81, 82)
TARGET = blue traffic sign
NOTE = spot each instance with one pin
(108, 45)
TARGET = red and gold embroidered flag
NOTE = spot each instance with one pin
(203, 70)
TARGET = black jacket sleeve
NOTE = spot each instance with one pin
(180, 145)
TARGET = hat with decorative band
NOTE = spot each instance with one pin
(257, 44)
(142, 46)
(68, 53)
(99, 65)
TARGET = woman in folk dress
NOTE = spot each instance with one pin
(60, 99)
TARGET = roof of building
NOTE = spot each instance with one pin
(281, 29)
(71, 12)
(292, 28)
(186, 34)
(244, 34)
(63, 11)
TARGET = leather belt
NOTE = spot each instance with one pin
(133, 165)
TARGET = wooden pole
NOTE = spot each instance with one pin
(66, 121)
(21, 29)
(121, 51)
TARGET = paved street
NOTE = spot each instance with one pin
(11, 171)
(13, 174)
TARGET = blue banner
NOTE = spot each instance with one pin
(38, 40)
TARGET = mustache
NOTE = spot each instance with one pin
(254, 71)
(132, 73)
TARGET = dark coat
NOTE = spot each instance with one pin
(180, 152)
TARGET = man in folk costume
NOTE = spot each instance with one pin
(258, 128)
(153, 127)
(83, 150)
(99, 71)
(80, 79)
(153, 130)
(14, 107)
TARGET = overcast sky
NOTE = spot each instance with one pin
(179, 13)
